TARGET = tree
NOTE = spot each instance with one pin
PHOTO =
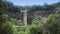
(58, 11)
(5, 27)
(1, 14)
(53, 22)
(36, 27)
(36, 21)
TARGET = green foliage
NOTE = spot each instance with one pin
(7, 29)
(52, 23)
(19, 29)
(36, 21)
(52, 18)
(14, 26)
(34, 29)
(16, 22)
(58, 11)
(37, 28)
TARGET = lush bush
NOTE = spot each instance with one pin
(7, 28)
(16, 22)
(53, 22)
(35, 27)
(36, 21)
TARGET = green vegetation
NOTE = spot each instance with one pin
(10, 24)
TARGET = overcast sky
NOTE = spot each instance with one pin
(32, 2)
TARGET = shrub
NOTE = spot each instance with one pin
(7, 28)
(53, 22)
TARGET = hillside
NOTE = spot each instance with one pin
(15, 11)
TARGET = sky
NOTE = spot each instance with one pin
(32, 2)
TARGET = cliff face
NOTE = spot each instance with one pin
(17, 15)
(37, 13)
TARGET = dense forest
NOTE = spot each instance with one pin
(42, 19)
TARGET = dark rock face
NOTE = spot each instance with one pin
(37, 13)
